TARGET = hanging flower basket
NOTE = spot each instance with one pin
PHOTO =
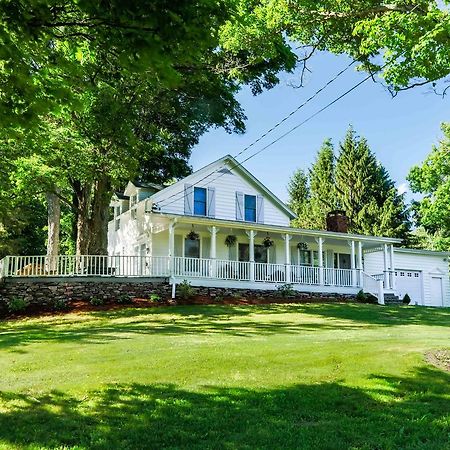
(302, 246)
(230, 240)
(193, 236)
(267, 242)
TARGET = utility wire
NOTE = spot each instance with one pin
(328, 105)
(270, 130)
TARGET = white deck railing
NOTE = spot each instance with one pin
(374, 286)
(340, 277)
(305, 275)
(87, 265)
(270, 273)
(179, 267)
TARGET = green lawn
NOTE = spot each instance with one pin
(334, 376)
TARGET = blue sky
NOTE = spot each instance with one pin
(399, 130)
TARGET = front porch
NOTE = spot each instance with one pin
(218, 253)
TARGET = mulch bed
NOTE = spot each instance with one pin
(439, 358)
(81, 306)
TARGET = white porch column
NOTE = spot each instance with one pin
(360, 263)
(392, 266)
(251, 253)
(213, 252)
(321, 278)
(171, 251)
(386, 267)
(287, 253)
(353, 262)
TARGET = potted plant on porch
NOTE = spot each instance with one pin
(268, 242)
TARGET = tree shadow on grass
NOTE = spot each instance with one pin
(406, 412)
(354, 312)
(387, 316)
(239, 321)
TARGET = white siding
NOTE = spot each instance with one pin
(430, 265)
(226, 185)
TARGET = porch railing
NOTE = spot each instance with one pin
(179, 267)
(374, 286)
(86, 265)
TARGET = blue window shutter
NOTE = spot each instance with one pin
(188, 199)
(211, 212)
(260, 208)
(239, 206)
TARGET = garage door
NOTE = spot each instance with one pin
(409, 282)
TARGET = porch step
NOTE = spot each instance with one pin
(392, 299)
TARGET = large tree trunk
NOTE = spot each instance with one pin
(92, 206)
(54, 221)
(98, 223)
(83, 206)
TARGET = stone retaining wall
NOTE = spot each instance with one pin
(44, 292)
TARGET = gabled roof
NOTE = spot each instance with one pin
(233, 164)
(148, 185)
(121, 196)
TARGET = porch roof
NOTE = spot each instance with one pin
(179, 218)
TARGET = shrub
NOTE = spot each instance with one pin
(17, 304)
(60, 304)
(286, 290)
(361, 297)
(406, 299)
(218, 298)
(155, 298)
(185, 290)
(371, 299)
(96, 301)
(123, 299)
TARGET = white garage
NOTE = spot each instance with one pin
(422, 274)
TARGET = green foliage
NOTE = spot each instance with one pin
(322, 185)
(407, 41)
(431, 180)
(299, 195)
(406, 299)
(361, 297)
(185, 290)
(60, 304)
(124, 299)
(286, 290)
(118, 91)
(355, 182)
(17, 304)
(155, 298)
(95, 301)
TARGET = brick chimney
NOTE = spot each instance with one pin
(337, 221)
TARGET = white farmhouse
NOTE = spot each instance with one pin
(221, 227)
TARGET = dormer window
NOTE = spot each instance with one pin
(200, 201)
(250, 208)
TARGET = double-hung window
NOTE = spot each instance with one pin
(200, 198)
(250, 208)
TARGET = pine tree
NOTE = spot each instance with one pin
(367, 193)
(299, 193)
(322, 186)
(355, 182)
